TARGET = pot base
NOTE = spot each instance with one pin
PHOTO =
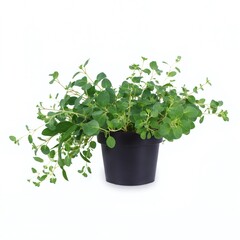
(129, 185)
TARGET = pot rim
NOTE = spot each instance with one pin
(127, 138)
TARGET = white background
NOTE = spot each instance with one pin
(197, 191)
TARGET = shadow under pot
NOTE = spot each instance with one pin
(132, 161)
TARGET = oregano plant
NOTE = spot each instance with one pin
(147, 102)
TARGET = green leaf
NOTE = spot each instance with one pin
(37, 184)
(146, 94)
(157, 134)
(154, 123)
(75, 75)
(61, 163)
(134, 67)
(45, 149)
(38, 159)
(64, 174)
(224, 115)
(149, 135)
(63, 126)
(93, 144)
(42, 178)
(208, 82)
(77, 102)
(67, 161)
(71, 101)
(101, 76)
(86, 87)
(68, 133)
(143, 135)
(86, 63)
(154, 113)
(143, 114)
(49, 114)
(178, 59)
(91, 128)
(121, 105)
(201, 119)
(150, 85)
(153, 65)
(177, 132)
(195, 89)
(214, 105)
(82, 170)
(89, 169)
(84, 174)
(177, 69)
(136, 79)
(176, 111)
(201, 102)
(164, 129)
(191, 112)
(112, 94)
(53, 180)
(100, 117)
(67, 146)
(34, 170)
(158, 71)
(84, 158)
(172, 74)
(158, 107)
(116, 123)
(52, 154)
(30, 139)
(103, 99)
(136, 91)
(111, 142)
(60, 128)
(13, 138)
(52, 124)
(191, 99)
(106, 83)
(81, 82)
(87, 153)
(49, 132)
(110, 125)
(54, 75)
(186, 125)
(146, 70)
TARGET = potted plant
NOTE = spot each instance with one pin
(129, 122)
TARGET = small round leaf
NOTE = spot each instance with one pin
(93, 144)
(111, 142)
(45, 149)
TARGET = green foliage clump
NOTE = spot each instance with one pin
(147, 103)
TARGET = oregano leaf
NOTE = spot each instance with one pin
(111, 142)
(38, 159)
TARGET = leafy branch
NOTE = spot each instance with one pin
(147, 103)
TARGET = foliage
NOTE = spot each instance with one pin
(147, 103)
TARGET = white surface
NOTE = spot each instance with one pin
(197, 191)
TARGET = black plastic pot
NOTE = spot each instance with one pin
(132, 161)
